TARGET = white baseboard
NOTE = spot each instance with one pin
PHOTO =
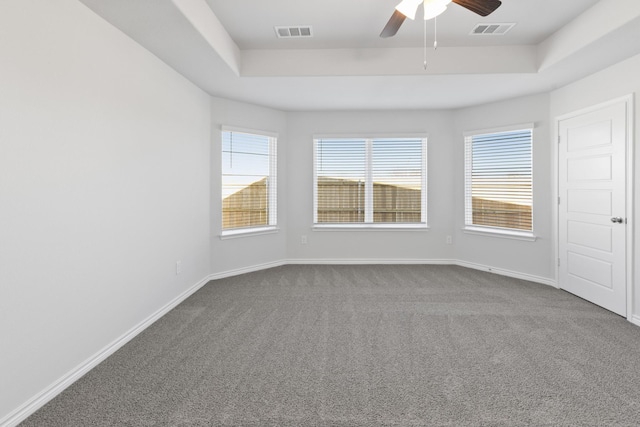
(368, 261)
(508, 273)
(250, 269)
(32, 405)
(384, 261)
(635, 320)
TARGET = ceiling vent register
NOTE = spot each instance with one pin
(294, 32)
(491, 29)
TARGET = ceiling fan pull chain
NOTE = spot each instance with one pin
(435, 33)
(425, 44)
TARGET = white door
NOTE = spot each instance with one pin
(591, 212)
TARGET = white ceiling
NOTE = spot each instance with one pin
(357, 23)
(229, 49)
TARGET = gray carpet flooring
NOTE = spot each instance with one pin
(367, 346)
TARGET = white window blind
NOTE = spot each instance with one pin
(370, 181)
(248, 180)
(396, 167)
(341, 175)
(498, 181)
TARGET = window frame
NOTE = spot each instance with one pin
(272, 188)
(494, 231)
(372, 226)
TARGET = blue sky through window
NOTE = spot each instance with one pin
(245, 160)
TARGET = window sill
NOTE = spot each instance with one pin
(370, 227)
(500, 233)
(246, 232)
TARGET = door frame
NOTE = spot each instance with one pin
(628, 100)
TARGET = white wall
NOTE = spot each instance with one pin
(243, 253)
(104, 184)
(616, 81)
(344, 246)
(530, 258)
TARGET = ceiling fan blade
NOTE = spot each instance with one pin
(481, 7)
(393, 25)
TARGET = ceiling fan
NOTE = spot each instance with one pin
(433, 8)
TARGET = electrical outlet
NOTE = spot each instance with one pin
(303, 240)
(178, 267)
(449, 240)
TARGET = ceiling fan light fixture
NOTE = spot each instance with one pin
(432, 12)
(409, 8)
(433, 8)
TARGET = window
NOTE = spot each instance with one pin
(248, 182)
(370, 182)
(498, 181)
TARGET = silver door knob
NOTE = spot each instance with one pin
(617, 219)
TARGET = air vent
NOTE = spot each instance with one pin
(294, 32)
(491, 29)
